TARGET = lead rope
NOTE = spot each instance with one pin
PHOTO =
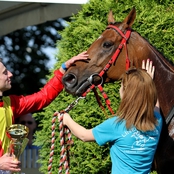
(65, 143)
(65, 140)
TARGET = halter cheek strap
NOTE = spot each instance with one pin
(123, 43)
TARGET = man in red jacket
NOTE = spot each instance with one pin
(14, 106)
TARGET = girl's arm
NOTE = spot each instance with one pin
(76, 129)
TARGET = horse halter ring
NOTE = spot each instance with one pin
(91, 79)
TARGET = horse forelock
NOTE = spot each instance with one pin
(115, 23)
(100, 37)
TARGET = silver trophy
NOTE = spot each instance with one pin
(18, 134)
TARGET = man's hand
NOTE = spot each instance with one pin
(81, 56)
(68, 63)
(9, 163)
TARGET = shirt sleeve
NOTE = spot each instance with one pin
(34, 102)
(103, 132)
(160, 120)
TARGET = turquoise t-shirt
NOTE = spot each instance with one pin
(132, 151)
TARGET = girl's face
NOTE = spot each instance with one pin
(121, 90)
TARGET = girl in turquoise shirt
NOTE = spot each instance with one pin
(134, 133)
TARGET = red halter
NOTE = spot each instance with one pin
(125, 38)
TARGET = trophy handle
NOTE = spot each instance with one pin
(24, 144)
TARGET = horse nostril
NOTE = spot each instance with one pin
(70, 80)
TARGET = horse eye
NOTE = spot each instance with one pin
(107, 44)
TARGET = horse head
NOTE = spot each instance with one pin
(76, 79)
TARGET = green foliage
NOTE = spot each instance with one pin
(154, 21)
(154, 172)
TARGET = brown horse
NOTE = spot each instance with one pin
(121, 46)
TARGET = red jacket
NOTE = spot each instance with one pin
(21, 105)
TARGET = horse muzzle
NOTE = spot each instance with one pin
(76, 88)
(73, 86)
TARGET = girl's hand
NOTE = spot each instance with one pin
(148, 67)
(63, 117)
(150, 70)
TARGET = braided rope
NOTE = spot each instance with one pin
(52, 143)
(65, 143)
(62, 144)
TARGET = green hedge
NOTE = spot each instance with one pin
(154, 21)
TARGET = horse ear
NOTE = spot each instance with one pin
(111, 19)
(129, 20)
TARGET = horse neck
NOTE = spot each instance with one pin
(164, 80)
(164, 72)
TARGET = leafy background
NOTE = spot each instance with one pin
(154, 21)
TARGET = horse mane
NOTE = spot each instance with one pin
(160, 54)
